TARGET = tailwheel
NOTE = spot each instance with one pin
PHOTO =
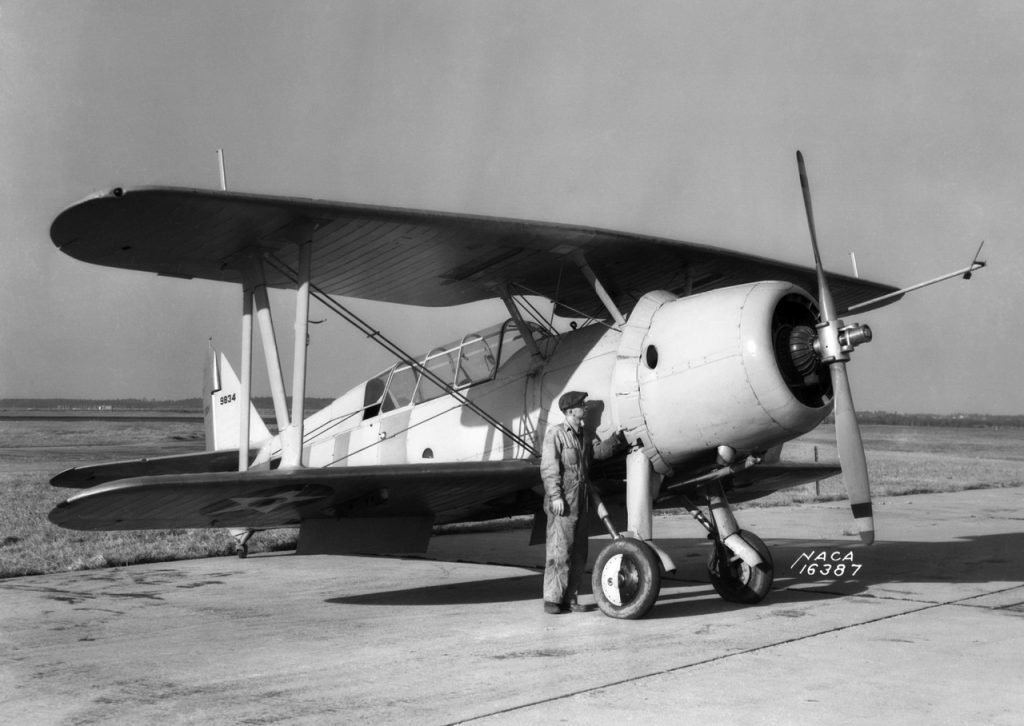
(735, 580)
(626, 579)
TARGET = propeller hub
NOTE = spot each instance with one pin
(853, 335)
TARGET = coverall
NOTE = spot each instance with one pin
(565, 466)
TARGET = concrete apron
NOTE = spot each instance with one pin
(927, 631)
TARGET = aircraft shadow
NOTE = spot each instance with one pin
(507, 589)
(982, 559)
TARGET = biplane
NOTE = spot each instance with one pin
(708, 360)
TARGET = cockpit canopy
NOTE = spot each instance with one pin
(460, 364)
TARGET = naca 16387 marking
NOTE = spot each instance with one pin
(826, 563)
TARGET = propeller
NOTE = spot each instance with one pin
(835, 341)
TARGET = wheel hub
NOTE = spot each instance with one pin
(619, 581)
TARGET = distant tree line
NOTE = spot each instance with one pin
(966, 420)
(181, 405)
(266, 403)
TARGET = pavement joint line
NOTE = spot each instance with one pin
(894, 598)
(997, 608)
(963, 602)
(984, 594)
(707, 661)
(814, 591)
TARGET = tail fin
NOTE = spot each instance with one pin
(222, 407)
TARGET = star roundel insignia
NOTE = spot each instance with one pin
(268, 500)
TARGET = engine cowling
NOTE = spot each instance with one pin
(736, 366)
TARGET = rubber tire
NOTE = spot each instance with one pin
(742, 584)
(638, 579)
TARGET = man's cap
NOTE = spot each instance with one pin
(572, 399)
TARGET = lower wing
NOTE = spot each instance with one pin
(259, 499)
(762, 480)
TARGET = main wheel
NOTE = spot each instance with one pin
(736, 581)
(626, 579)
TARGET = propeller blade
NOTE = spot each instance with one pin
(851, 454)
(828, 308)
(848, 440)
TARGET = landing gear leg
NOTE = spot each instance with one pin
(627, 573)
(740, 566)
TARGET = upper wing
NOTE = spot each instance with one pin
(449, 492)
(403, 255)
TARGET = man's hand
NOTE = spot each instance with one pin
(558, 507)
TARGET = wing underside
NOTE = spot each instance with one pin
(764, 479)
(756, 482)
(446, 492)
(401, 255)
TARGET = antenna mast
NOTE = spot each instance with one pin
(223, 175)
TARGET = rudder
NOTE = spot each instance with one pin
(222, 407)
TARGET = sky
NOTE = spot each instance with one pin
(675, 119)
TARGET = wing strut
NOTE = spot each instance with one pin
(246, 382)
(524, 329)
(291, 440)
(254, 290)
(606, 299)
(257, 281)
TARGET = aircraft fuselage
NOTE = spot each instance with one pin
(683, 377)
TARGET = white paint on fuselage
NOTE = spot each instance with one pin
(716, 382)
(444, 430)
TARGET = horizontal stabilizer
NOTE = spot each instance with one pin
(449, 492)
(82, 477)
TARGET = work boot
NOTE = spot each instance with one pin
(573, 606)
(553, 608)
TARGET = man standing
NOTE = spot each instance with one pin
(565, 464)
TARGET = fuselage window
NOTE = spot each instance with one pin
(512, 341)
(442, 364)
(373, 395)
(401, 389)
(476, 362)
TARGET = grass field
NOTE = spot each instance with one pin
(901, 460)
(34, 449)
